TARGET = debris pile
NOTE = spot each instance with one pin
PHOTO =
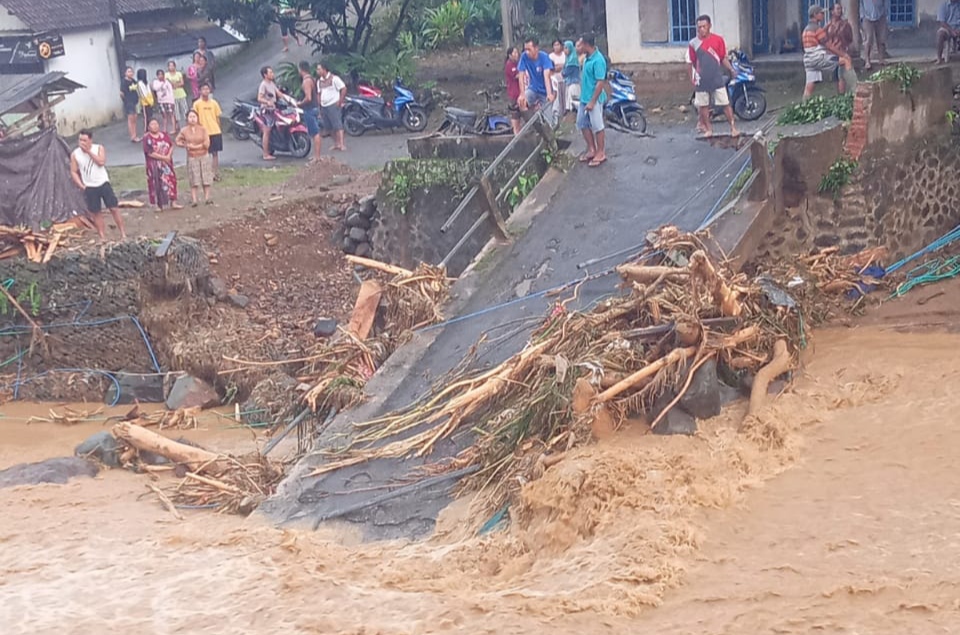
(37, 246)
(584, 373)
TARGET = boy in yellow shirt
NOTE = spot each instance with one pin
(208, 111)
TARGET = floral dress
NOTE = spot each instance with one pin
(161, 178)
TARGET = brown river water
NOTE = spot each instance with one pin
(836, 511)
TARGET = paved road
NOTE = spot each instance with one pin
(239, 78)
(596, 211)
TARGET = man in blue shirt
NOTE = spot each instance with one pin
(535, 70)
(593, 80)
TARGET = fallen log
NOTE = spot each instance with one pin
(143, 439)
(379, 266)
(650, 274)
(365, 309)
(675, 356)
(761, 382)
(723, 295)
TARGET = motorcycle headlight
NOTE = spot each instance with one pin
(631, 97)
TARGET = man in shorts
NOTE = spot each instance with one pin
(287, 17)
(208, 112)
(593, 80)
(820, 55)
(536, 69)
(88, 167)
(309, 104)
(708, 59)
(333, 92)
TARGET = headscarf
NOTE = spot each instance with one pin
(571, 54)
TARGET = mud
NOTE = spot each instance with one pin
(836, 510)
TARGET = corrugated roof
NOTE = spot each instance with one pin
(60, 15)
(29, 86)
(165, 44)
(125, 7)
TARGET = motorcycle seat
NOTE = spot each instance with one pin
(459, 112)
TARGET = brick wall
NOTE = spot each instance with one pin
(857, 133)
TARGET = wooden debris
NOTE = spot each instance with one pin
(143, 439)
(36, 246)
(761, 382)
(130, 204)
(393, 270)
(365, 310)
(165, 501)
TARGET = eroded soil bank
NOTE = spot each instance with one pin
(837, 511)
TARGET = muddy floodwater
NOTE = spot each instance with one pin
(836, 511)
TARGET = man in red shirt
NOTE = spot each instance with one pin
(708, 59)
(511, 76)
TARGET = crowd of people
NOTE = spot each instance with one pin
(570, 79)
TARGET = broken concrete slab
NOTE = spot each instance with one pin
(59, 470)
(136, 388)
(102, 446)
(190, 392)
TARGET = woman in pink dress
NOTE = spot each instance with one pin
(193, 75)
(161, 177)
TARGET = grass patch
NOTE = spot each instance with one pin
(130, 178)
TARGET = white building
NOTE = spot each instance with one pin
(657, 31)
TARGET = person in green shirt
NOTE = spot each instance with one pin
(175, 77)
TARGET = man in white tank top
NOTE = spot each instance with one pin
(88, 168)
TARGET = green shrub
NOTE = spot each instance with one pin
(818, 108)
(446, 25)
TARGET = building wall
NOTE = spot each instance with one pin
(90, 59)
(638, 30)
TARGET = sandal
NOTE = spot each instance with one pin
(585, 158)
(597, 162)
(209, 201)
(193, 204)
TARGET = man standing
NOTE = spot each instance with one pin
(310, 109)
(820, 55)
(208, 112)
(874, 15)
(88, 168)
(840, 35)
(267, 96)
(287, 16)
(536, 70)
(708, 58)
(593, 80)
(333, 92)
(211, 61)
(131, 98)
(948, 19)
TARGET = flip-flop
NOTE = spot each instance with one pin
(584, 158)
(269, 158)
(596, 163)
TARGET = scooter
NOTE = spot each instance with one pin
(622, 107)
(746, 96)
(242, 123)
(459, 122)
(362, 113)
(289, 136)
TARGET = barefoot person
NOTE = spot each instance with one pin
(195, 139)
(821, 55)
(592, 98)
(948, 20)
(333, 92)
(310, 105)
(708, 58)
(208, 110)
(161, 177)
(511, 76)
(88, 167)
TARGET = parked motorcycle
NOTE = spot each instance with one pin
(362, 113)
(458, 122)
(622, 107)
(289, 136)
(242, 124)
(746, 96)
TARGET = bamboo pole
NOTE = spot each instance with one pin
(675, 356)
(379, 266)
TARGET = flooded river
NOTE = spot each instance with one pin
(837, 511)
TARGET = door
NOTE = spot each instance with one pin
(761, 27)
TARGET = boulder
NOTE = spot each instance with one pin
(59, 470)
(190, 392)
(702, 399)
(238, 300)
(364, 250)
(348, 245)
(334, 212)
(676, 421)
(136, 388)
(357, 234)
(325, 327)
(217, 288)
(356, 220)
(102, 446)
(368, 206)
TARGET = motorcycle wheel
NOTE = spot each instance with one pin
(353, 125)
(414, 119)
(635, 121)
(751, 106)
(300, 145)
(239, 132)
(500, 128)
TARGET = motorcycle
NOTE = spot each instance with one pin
(622, 107)
(289, 136)
(369, 112)
(458, 122)
(746, 96)
(242, 123)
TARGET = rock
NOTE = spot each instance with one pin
(682, 108)
(357, 234)
(216, 287)
(364, 250)
(334, 212)
(340, 179)
(348, 246)
(102, 446)
(522, 289)
(368, 206)
(325, 327)
(58, 470)
(702, 399)
(356, 220)
(271, 240)
(657, 110)
(190, 392)
(136, 388)
(674, 422)
(238, 300)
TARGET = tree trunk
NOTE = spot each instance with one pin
(506, 24)
(854, 17)
(143, 439)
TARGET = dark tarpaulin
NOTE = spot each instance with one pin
(35, 183)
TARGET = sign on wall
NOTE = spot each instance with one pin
(26, 53)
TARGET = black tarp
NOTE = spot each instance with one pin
(35, 183)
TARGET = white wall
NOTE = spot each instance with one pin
(90, 59)
(10, 22)
(627, 45)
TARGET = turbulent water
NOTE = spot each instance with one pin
(837, 511)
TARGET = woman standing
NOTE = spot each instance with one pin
(147, 98)
(511, 77)
(176, 79)
(166, 103)
(571, 77)
(161, 177)
(193, 74)
(559, 59)
(195, 139)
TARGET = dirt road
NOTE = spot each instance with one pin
(681, 535)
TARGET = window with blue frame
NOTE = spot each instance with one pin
(683, 20)
(903, 12)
